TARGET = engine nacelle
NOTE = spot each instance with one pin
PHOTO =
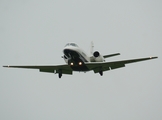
(97, 57)
(96, 54)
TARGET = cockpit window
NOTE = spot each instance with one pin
(71, 44)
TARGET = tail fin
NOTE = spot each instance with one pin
(92, 46)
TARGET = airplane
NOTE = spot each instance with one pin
(77, 60)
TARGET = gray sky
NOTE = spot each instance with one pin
(34, 32)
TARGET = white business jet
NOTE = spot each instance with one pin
(78, 60)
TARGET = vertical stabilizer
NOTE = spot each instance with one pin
(92, 46)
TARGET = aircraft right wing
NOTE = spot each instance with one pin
(104, 66)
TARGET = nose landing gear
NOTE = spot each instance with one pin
(59, 73)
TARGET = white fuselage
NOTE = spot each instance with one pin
(76, 57)
(82, 55)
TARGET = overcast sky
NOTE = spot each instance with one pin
(34, 32)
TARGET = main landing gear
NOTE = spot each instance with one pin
(101, 73)
(59, 75)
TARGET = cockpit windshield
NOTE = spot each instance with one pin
(71, 44)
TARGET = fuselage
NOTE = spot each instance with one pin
(75, 57)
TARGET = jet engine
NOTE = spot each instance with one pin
(98, 57)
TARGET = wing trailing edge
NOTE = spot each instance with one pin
(104, 66)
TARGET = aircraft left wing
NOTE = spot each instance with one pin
(104, 66)
(65, 69)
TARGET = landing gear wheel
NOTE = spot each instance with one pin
(60, 75)
(101, 73)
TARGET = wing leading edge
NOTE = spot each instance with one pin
(104, 66)
(64, 69)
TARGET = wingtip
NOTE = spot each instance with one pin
(153, 57)
(6, 66)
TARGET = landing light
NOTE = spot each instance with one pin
(80, 63)
(71, 63)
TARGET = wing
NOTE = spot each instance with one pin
(65, 69)
(104, 66)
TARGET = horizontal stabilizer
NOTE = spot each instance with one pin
(111, 55)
